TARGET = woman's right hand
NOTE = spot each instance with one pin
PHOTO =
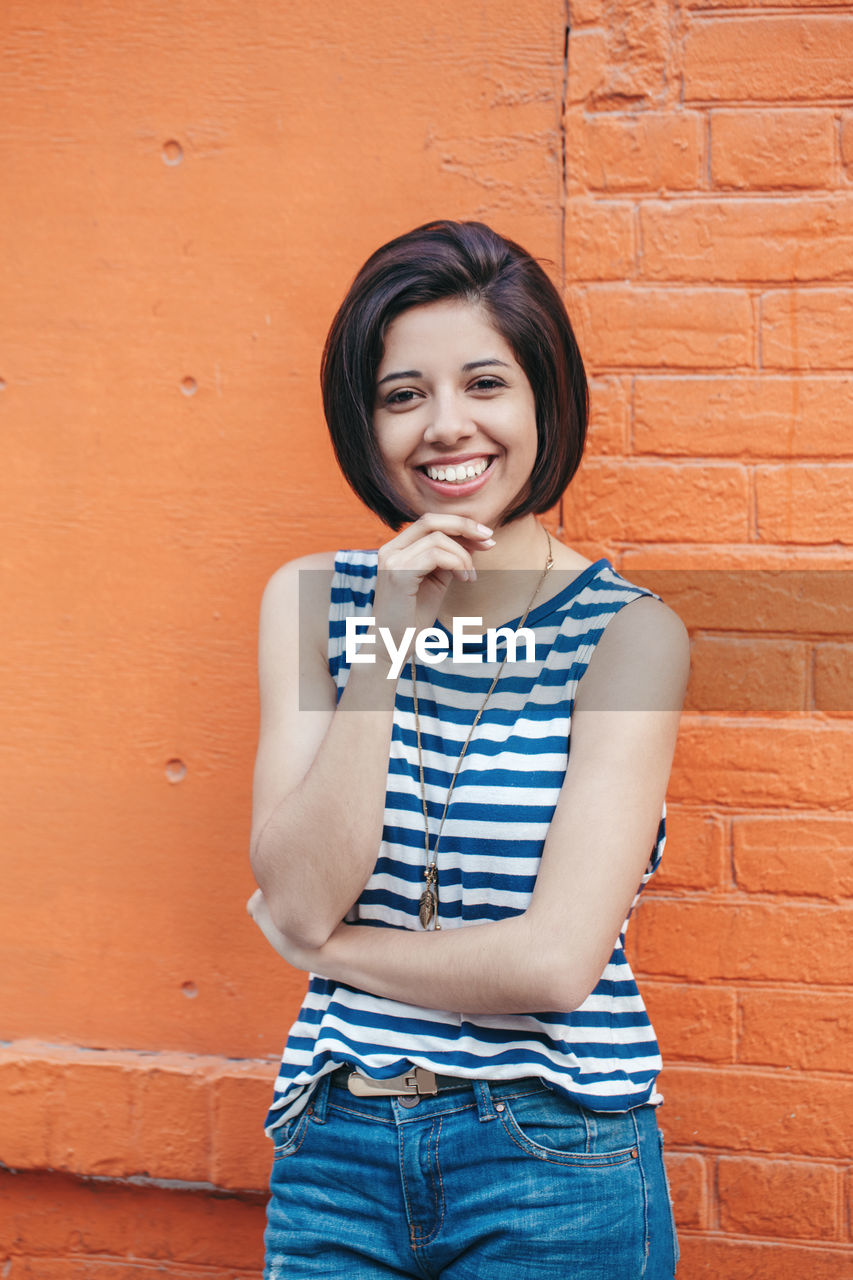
(416, 568)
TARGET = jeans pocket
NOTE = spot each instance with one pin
(289, 1136)
(551, 1127)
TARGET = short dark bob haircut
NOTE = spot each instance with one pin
(435, 262)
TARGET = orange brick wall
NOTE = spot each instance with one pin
(186, 192)
(709, 229)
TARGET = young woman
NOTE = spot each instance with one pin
(451, 844)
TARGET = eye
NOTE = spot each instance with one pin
(488, 382)
(400, 398)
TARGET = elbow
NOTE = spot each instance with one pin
(563, 992)
(310, 934)
(306, 931)
(567, 979)
(570, 965)
(307, 928)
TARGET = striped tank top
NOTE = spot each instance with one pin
(603, 1055)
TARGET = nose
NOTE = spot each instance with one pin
(450, 421)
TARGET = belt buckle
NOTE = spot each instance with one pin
(419, 1081)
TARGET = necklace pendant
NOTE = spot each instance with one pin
(428, 905)
(426, 910)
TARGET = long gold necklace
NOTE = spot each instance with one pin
(428, 906)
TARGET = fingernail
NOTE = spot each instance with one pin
(489, 542)
(472, 575)
(484, 528)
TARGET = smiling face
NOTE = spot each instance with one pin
(454, 415)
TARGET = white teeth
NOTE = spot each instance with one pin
(464, 471)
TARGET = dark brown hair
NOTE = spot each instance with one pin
(469, 261)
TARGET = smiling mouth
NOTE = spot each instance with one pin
(458, 474)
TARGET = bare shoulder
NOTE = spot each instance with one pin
(301, 582)
(285, 580)
(641, 660)
(296, 603)
(649, 625)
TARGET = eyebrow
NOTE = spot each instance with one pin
(466, 368)
(403, 373)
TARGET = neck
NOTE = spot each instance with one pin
(520, 545)
(496, 597)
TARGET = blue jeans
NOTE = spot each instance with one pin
(490, 1182)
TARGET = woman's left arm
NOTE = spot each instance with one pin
(603, 830)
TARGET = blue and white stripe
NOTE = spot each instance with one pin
(604, 1054)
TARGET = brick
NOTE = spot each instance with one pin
(809, 1031)
(805, 503)
(712, 1257)
(587, 64)
(599, 241)
(759, 239)
(172, 1131)
(833, 678)
(205, 1231)
(692, 1024)
(29, 1092)
(687, 1175)
(768, 58)
(626, 326)
(17, 1212)
(696, 855)
(749, 766)
(609, 412)
(242, 1153)
(657, 501)
(778, 1198)
(777, 148)
(807, 330)
(583, 12)
(643, 151)
(94, 1125)
(118, 1113)
(706, 941)
(795, 854)
(790, 600)
(752, 1111)
(48, 1213)
(746, 676)
(54, 1214)
(627, 65)
(750, 416)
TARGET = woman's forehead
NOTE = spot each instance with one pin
(451, 330)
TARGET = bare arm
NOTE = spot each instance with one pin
(599, 841)
(320, 775)
(317, 795)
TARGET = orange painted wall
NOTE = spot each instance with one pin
(186, 191)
